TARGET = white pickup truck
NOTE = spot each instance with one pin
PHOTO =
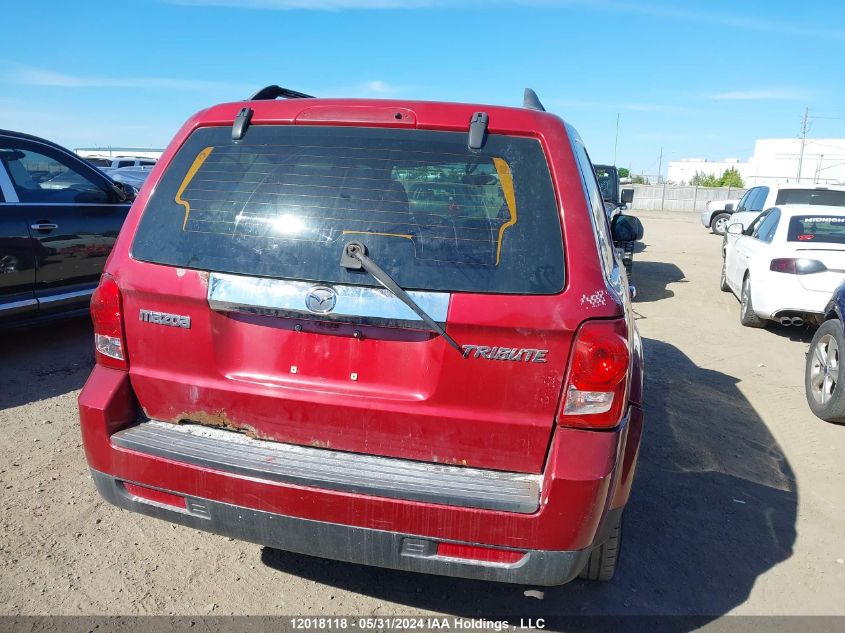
(717, 213)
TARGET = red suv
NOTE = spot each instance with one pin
(386, 332)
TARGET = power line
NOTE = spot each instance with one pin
(816, 143)
(830, 166)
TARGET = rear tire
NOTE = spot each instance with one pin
(719, 223)
(601, 565)
(824, 376)
(747, 316)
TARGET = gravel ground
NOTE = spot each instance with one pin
(738, 506)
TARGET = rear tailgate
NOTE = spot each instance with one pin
(283, 343)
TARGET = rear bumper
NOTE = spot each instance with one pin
(774, 297)
(344, 542)
(586, 480)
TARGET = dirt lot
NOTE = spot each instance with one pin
(738, 507)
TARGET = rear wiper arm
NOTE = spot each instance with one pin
(354, 257)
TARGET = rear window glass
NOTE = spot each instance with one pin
(432, 213)
(826, 197)
(829, 229)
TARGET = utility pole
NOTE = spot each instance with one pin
(659, 165)
(616, 142)
(803, 141)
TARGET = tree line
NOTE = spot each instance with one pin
(730, 178)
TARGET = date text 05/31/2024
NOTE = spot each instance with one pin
(413, 623)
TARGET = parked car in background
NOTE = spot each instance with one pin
(616, 200)
(716, 214)
(757, 199)
(824, 374)
(120, 162)
(262, 371)
(59, 218)
(788, 267)
(132, 176)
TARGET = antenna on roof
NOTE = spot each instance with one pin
(532, 101)
(268, 93)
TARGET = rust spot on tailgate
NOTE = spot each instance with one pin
(217, 419)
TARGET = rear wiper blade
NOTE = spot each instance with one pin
(355, 257)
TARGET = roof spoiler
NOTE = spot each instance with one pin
(531, 101)
(268, 93)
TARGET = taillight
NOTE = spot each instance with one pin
(107, 315)
(598, 376)
(798, 266)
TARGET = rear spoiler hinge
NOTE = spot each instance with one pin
(241, 123)
(477, 130)
(268, 93)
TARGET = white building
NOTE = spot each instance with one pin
(682, 171)
(774, 160)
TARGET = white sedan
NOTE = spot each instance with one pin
(788, 268)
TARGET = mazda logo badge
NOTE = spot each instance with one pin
(320, 299)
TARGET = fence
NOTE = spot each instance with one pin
(668, 197)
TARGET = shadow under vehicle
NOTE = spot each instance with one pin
(654, 279)
(714, 508)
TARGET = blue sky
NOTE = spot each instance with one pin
(701, 79)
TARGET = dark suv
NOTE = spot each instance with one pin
(387, 332)
(59, 218)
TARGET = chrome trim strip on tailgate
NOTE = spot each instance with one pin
(353, 304)
(233, 452)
